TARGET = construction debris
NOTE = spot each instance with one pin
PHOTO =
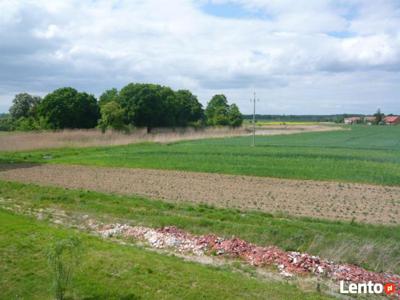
(288, 263)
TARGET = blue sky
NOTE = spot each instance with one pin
(302, 57)
(233, 11)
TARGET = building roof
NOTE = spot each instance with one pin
(392, 119)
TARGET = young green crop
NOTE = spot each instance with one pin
(363, 154)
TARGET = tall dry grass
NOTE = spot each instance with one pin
(20, 141)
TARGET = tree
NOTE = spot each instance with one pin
(108, 96)
(188, 108)
(67, 108)
(112, 116)
(24, 106)
(217, 111)
(235, 117)
(147, 105)
(378, 116)
(5, 123)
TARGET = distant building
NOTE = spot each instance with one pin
(392, 120)
(370, 120)
(352, 120)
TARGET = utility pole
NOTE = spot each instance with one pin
(254, 100)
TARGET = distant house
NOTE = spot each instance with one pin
(392, 120)
(370, 120)
(352, 120)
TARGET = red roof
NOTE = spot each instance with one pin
(392, 119)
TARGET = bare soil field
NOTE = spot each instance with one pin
(23, 141)
(328, 200)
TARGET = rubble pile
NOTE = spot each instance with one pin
(288, 263)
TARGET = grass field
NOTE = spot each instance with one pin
(340, 241)
(289, 123)
(114, 271)
(362, 154)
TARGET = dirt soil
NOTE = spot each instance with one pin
(329, 200)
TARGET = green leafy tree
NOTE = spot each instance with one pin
(24, 106)
(188, 108)
(67, 108)
(148, 105)
(26, 124)
(6, 123)
(108, 96)
(234, 115)
(112, 116)
(218, 112)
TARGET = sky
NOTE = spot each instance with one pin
(300, 57)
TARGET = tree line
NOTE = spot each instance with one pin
(135, 105)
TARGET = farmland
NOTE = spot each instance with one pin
(334, 194)
(327, 200)
(363, 154)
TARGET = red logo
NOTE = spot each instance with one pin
(389, 288)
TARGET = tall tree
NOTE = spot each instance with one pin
(147, 105)
(378, 116)
(67, 108)
(234, 115)
(188, 108)
(108, 96)
(24, 106)
(112, 116)
(217, 111)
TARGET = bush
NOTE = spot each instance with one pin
(6, 123)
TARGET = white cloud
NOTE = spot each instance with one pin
(301, 49)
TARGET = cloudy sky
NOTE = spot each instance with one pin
(302, 57)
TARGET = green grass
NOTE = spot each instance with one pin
(373, 247)
(266, 123)
(363, 154)
(113, 271)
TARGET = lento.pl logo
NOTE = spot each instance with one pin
(367, 288)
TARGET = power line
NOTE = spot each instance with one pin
(254, 100)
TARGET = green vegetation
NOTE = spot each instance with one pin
(340, 241)
(64, 258)
(67, 108)
(367, 154)
(114, 271)
(288, 123)
(218, 112)
(135, 105)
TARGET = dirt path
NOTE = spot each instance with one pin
(331, 200)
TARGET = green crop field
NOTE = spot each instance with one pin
(360, 154)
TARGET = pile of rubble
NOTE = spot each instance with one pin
(288, 263)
